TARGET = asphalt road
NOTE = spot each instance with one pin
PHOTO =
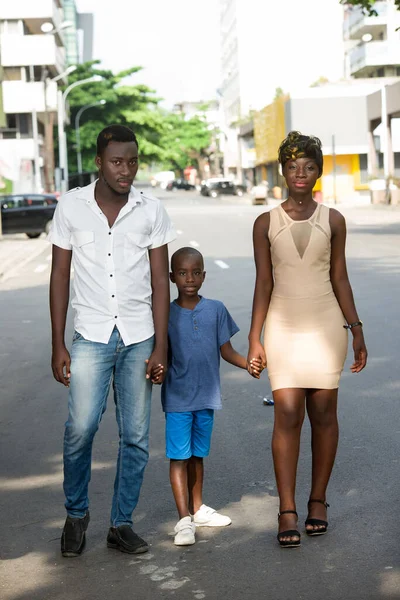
(359, 559)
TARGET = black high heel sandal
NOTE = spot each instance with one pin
(289, 533)
(323, 525)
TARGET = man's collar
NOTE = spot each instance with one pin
(87, 194)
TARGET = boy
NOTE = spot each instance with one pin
(117, 241)
(199, 333)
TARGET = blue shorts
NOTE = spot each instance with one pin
(188, 433)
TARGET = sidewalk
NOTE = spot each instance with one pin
(17, 250)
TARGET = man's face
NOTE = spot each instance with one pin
(118, 166)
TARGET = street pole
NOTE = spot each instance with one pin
(35, 135)
(36, 159)
(60, 117)
(334, 168)
(384, 134)
(62, 138)
(78, 135)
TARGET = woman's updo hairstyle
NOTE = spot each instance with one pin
(296, 145)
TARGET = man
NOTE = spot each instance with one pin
(117, 240)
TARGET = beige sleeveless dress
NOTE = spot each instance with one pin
(304, 338)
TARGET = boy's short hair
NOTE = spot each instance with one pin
(114, 133)
(185, 251)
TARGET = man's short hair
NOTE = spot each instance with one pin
(114, 133)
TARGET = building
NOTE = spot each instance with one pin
(372, 43)
(78, 37)
(260, 43)
(339, 114)
(33, 59)
(30, 60)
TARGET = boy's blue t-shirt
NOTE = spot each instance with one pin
(195, 338)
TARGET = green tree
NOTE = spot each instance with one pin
(186, 142)
(135, 106)
(366, 5)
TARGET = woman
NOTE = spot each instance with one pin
(304, 298)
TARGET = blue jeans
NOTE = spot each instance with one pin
(93, 367)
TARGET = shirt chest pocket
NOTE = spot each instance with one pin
(83, 243)
(136, 247)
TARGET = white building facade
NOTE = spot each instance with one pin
(372, 43)
(31, 64)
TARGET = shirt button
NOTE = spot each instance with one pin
(116, 317)
(113, 296)
(109, 254)
(196, 327)
(109, 233)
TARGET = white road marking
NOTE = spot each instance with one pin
(40, 268)
(222, 264)
(194, 243)
(179, 231)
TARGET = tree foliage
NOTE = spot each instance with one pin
(185, 141)
(366, 5)
(165, 138)
(135, 106)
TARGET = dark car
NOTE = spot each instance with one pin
(180, 184)
(27, 213)
(217, 187)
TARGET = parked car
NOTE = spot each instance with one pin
(259, 193)
(27, 213)
(162, 179)
(216, 187)
(180, 184)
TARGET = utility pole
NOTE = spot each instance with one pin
(334, 168)
(35, 135)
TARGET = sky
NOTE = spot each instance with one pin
(177, 43)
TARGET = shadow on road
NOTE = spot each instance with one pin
(358, 559)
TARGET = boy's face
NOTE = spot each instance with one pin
(188, 275)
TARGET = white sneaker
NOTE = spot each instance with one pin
(208, 517)
(184, 530)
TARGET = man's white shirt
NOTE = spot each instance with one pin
(112, 279)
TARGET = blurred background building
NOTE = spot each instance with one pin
(357, 116)
(37, 44)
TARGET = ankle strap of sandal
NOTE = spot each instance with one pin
(319, 501)
(287, 512)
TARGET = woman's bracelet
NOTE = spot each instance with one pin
(351, 325)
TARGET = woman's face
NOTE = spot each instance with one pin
(301, 175)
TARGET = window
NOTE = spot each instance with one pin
(12, 74)
(363, 168)
(11, 121)
(24, 125)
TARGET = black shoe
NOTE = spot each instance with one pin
(320, 523)
(123, 538)
(73, 536)
(292, 533)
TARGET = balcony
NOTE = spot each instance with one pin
(22, 97)
(371, 55)
(33, 12)
(32, 50)
(357, 24)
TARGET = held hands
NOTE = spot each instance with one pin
(360, 353)
(61, 365)
(156, 371)
(256, 360)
